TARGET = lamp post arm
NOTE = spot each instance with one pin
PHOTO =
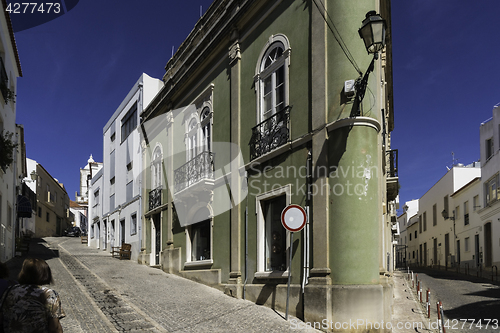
(361, 84)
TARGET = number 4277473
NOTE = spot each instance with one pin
(33, 8)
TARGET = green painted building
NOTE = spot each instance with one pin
(257, 113)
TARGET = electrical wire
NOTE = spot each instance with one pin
(337, 36)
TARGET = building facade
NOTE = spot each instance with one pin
(440, 233)
(457, 222)
(254, 116)
(402, 253)
(119, 190)
(80, 207)
(10, 158)
(487, 204)
(53, 215)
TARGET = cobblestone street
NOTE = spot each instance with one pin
(103, 294)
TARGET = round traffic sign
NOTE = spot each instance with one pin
(293, 218)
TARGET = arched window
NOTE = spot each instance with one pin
(272, 77)
(192, 139)
(156, 179)
(206, 129)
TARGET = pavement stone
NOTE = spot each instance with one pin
(104, 294)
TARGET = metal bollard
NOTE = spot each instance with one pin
(442, 316)
(428, 303)
(440, 324)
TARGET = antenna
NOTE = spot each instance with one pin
(172, 51)
(201, 10)
(453, 161)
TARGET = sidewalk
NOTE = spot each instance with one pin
(407, 313)
(103, 294)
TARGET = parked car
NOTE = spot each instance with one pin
(72, 232)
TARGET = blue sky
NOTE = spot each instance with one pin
(446, 70)
(79, 67)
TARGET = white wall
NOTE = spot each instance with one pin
(430, 242)
(122, 160)
(8, 179)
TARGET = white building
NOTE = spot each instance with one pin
(95, 210)
(410, 210)
(10, 70)
(488, 203)
(441, 225)
(80, 205)
(120, 187)
(80, 215)
(86, 174)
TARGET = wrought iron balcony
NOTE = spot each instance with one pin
(270, 134)
(4, 80)
(155, 198)
(392, 159)
(392, 174)
(199, 168)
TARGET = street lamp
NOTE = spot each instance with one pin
(372, 32)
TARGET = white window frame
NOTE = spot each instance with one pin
(261, 74)
(156, 167)
(133, 223)
(261, 232)
(475, 202)
(491, 190)
(206, 129)
(199, 263)
(193, 138)
(489, 148)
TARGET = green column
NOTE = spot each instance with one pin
(355, 197)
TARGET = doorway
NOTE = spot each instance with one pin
(112, 233)
(435, 251)
(446, 248)
(157, 238)
(458, 252)
(104, 235)
(98, 234)
(425, 254)
(476, 250)
(487, 245)
(420, 254)
(122, 231)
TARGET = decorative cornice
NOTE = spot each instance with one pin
(234, 52)
(354, 121)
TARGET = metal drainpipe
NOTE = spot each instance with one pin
(305, 274)
(139, 226)
(246, 242)
(14, 189)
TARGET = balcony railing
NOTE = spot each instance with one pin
(4, 80)
(155, 198)
(270, 134)
(392, 167)
(96, 211)
(199, 168)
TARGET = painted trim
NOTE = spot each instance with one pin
(355, 121)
